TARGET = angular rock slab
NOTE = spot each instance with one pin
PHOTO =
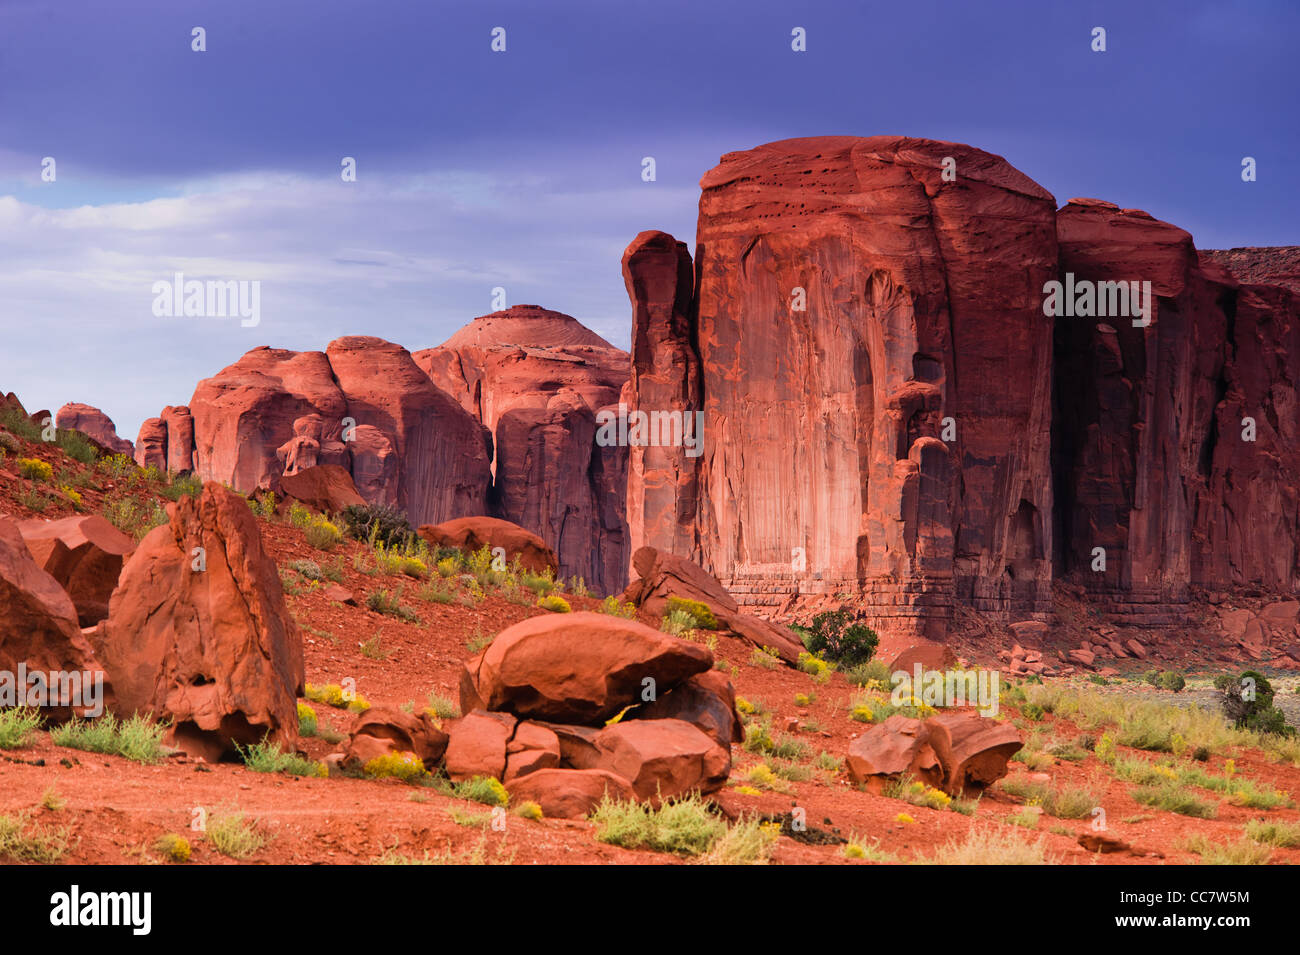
(38, 622)
(662, 759)
(85, 555)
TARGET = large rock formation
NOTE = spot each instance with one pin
(94, 424)
(537, 379)
(198, 632)
(874, 374)
(1160, 469)
(362, 405)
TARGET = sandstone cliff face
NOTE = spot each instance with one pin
(1151, 462)
(847, 300)
(536, 379)
(891, 413)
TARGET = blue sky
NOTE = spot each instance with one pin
(522, 169)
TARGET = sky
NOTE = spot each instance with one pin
(522, 169)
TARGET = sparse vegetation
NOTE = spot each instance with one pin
(615, 608)
(682, 826)
(22, 840)
(266, 757)
(232, 835)
(136, 738)
(17, 725)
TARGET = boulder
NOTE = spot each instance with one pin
(569, 793)
(972, 750)
(468, 534)
(85, 555)
(386, 729)
(39, 631)
(325, 488)
(887, 751)
(576, 667)
(95, 425)
(663, 575)
(478, 745)
(707, 701)
(662, 758)
(958, 752)
(198, 631)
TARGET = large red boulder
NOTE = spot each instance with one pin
(39, 631)
(887, 751)
(959, 752)
(198, 632)
(972, 750)
(662, 758)
(469, 534)
(325, 488)
(707, 701)
(96, 425)
(576, 667)
(85, 555)
(478, 745)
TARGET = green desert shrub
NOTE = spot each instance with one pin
(836, 635)
(17, 725)
(685, 826)
(135, 738)
(703, 616)
(378, 524)
(1247, 702)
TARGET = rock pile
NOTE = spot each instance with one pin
(566, 708)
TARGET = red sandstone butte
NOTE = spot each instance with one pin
(847, 301)
(537, 379)
(1149, 424)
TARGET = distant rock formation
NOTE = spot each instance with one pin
(537, 379)
(891, 413)
(362, 405)
(94, 424)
